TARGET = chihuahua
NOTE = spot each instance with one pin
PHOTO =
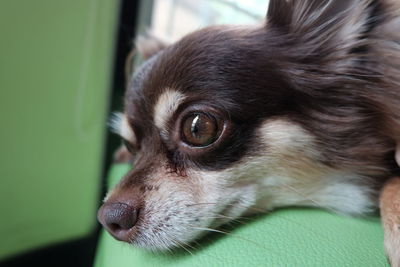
(302, 110)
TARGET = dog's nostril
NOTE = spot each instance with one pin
(114, 227)
(118, 219)
(120, 216)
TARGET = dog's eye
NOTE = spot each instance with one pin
(200, 130)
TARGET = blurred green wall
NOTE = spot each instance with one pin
(55, 69)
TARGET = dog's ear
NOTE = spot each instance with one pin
(280, 13)
(321, 29)
(145, 46)
(315, 17)
(148, 45)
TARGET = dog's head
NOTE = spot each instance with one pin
(233, 118)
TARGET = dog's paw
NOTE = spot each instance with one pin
(392, 245)
(390, 212)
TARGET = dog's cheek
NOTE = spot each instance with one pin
(177, 208)
(227, 194)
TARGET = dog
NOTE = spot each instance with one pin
(302, 110)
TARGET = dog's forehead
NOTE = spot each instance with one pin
(184, 69)
(215, 65)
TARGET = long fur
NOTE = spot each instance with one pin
(310, 104)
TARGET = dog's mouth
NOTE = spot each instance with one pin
(158, 228)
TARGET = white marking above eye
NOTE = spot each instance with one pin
(166, 105)
(119, 124)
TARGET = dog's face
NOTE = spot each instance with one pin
(230, 119)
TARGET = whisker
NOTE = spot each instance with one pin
(230, 222)
(233, 205)
(233, 235)
(183, 247)
(179, 244)
(318, 205)
(169, 240)
(261, 210)
(205, 203)
(223, 261)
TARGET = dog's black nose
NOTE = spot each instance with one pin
(118, 219)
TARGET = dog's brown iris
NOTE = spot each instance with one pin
(200, 130)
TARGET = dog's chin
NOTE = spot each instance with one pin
(165, 239)
(155, 233)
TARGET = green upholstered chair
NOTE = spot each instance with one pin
(287, 237)
(56, 63)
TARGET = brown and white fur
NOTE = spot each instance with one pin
(309, 103)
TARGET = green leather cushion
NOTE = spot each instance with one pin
(56, 64)
(287, 237)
